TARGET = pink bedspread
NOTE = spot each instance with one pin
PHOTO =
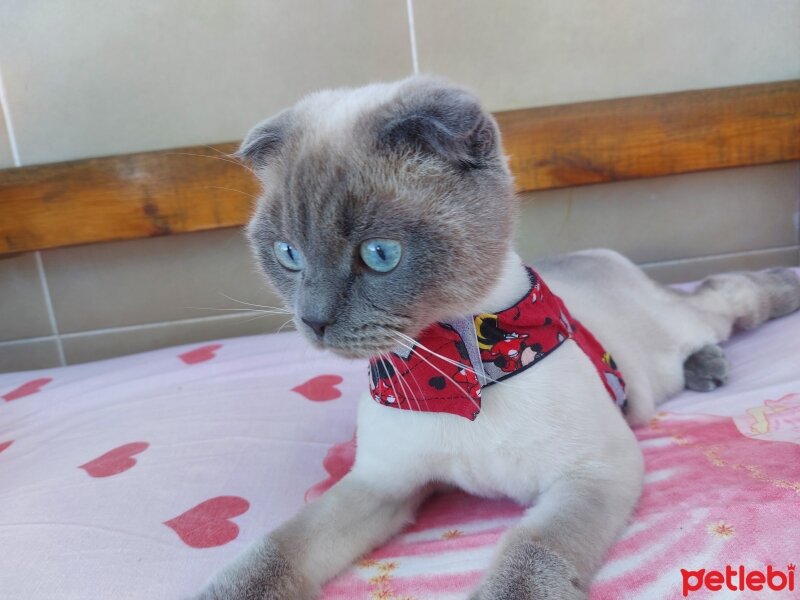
(138, 477)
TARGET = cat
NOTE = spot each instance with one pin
(387, 214)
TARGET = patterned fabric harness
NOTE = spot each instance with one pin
(452, 362)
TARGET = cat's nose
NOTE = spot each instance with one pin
(318, 326)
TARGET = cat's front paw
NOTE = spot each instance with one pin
(263, 573)
(530, 571)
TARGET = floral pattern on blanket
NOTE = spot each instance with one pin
(718, 491)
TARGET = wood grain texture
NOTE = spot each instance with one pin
(199, 188)
(123, 197)
(650, 136)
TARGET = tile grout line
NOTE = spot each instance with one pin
(412, 36)
(191, 320)
(123, 328)
(797, 212)
(796, 215)
(30, 340)
(6, 111)
(756, 251)
(155, 324)
(12, 142)
(49, 305)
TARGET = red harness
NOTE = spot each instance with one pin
(452, 362)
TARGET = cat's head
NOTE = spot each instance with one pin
(385, 208)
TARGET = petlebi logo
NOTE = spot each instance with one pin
(739, 579)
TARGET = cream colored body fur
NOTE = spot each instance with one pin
(549, 438)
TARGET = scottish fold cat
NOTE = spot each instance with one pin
(386, 226)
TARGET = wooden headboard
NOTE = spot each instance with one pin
(187, 189)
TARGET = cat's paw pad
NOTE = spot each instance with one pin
(706, 369)
(530, 571)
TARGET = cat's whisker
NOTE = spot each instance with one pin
(278, 308)
(220, 152)
(407, 390)
(256, 318)
(448, 377)
(458, 364)
(241, 310)
(219, 187)
(400, 381)
(461, 365)
(285, 324)
(419, 388)
(228, 160)
(436, 354)
(433, 366)
(391, 384)
(416, 382)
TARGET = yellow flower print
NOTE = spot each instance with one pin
(452, 534)
(721, 530)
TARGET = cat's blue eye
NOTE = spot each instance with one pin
(289, 256)
(381, 255)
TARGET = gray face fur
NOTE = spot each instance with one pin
(417, 161)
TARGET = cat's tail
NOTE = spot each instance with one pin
(735, 301)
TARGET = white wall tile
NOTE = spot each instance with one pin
(100, 77)
(519, 53)
(23, 311)
(694, 269)
(28, 355)
(152, 280)
(666, 218)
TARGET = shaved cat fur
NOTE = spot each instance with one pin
(419, 161)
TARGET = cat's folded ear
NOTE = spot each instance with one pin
(443, 120)
(264, 141)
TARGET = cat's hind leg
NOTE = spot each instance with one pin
(733, 301)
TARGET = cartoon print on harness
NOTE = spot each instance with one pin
(613, 381)
(417, 380)
(380, 375)
(449, 363)
(503, 346)
(522, 335)
(509, 351)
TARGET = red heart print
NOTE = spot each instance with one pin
(28, 388)
(320, 388)
(208, 524)
(4, 445)
(337, 462)
(114, 461)
(201, 354)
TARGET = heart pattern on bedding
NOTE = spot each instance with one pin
(320, 388)
(209, 523)
(201, 354)
(27, 388)
(337, 463)
(234, 442)
(114, 461)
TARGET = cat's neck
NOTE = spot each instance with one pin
(512, 285)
